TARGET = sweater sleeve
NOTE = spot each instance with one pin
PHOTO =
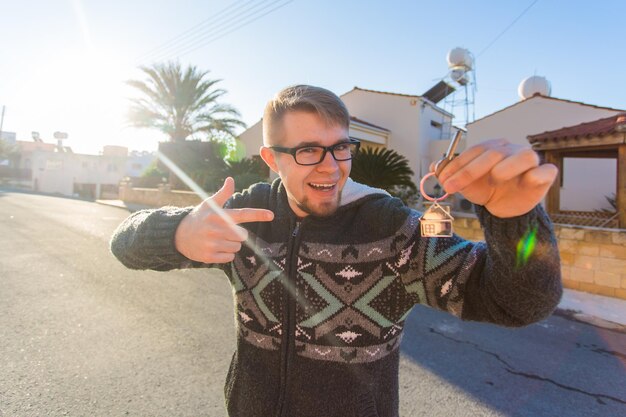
(513, 278)
(517, 280)
(145, 240)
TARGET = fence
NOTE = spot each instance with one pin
(586, 218)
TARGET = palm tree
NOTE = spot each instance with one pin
(386, 169)
(181, 103)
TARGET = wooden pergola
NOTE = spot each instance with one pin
(604, 138)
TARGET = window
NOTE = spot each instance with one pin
(435, 124)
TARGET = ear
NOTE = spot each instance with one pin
(268, 156)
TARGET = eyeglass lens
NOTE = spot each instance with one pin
(315, 154)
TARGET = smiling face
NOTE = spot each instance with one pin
(312, 189)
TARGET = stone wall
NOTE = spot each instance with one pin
(159, 197)
(592, 259)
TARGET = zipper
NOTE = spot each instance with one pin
(289, 343)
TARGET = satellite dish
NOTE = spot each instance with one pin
(534, 85)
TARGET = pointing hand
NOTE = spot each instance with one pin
(210, 233)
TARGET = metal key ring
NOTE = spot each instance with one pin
(426, 196)
(440, 165)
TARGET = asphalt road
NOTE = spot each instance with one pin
(80, 335)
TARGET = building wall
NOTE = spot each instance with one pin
(532, 116)
(252, 139)
(55, 172)
(408, 118)
(587, 182)
(138, 162)
(540, 114)
(592, 259)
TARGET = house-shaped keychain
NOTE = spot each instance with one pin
(436, 221)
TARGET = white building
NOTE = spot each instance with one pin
(56, 169)
(585, 181)
(138, 162)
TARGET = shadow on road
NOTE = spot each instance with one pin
(554, 367)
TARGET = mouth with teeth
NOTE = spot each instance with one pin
(323, 187)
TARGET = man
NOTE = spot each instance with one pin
(325, 270)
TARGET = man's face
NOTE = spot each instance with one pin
(312, 189)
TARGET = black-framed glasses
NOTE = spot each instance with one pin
(313, 154)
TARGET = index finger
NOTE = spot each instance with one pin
(247, 215)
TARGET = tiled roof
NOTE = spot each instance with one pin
(600, 127)
(356, 119)
(549, 98)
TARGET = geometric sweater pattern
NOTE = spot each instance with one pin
(321, 303)
(352, 299)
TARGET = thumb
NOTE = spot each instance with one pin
(221, 197)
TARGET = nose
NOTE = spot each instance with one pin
(328, 164)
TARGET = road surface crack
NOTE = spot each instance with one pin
(510, 369)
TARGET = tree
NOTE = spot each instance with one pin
(181, 103)
(246, 172)
(386, 169)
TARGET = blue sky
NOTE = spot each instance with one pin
(64, 62)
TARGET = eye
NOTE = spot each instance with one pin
(307, 150)
(341, 147)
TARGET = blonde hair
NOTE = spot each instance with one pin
(306, 98)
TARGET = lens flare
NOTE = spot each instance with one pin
(526, 247)
(220, 211)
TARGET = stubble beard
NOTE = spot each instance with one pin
(322, 210)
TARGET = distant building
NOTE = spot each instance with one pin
(51, 168)
(138, 162)
(8, 137)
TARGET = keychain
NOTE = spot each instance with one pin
(437, 220)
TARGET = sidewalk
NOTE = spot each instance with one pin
(119, 203)
(607, 312)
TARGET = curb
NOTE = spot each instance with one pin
(120, 204)
(581, 317)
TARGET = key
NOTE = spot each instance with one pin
(449, 155)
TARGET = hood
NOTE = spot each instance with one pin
(353, 191)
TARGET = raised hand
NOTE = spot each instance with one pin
(210, 233)
(504, 178)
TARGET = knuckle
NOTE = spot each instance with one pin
(530, 156)
(494, 155)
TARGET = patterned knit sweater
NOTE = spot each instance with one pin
(321, 302)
